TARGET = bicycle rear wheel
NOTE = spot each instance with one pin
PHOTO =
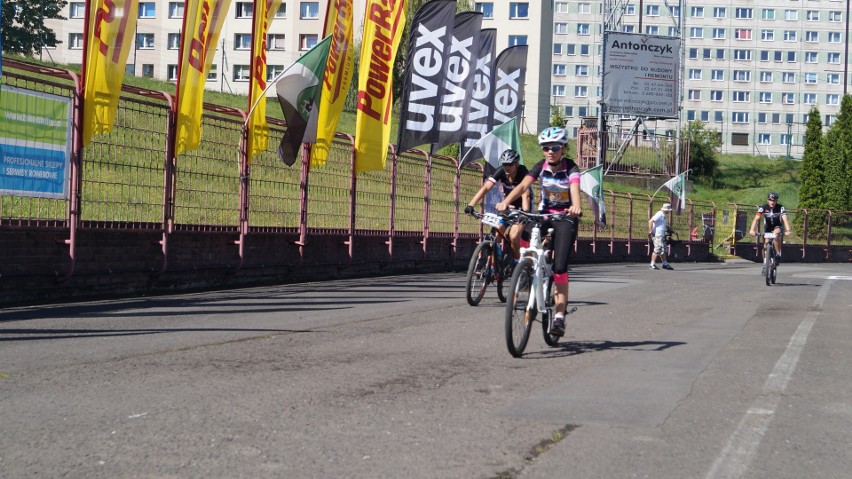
(479, 273)
(546, 318)
(518, 319)
(773, 274)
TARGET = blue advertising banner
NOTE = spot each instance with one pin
(35, 144)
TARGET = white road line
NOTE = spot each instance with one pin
(735, 458)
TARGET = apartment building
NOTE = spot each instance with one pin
(752, 70)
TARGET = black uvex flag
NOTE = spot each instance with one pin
(478, 121)
(458, 81)
(509, 75)
(428, 44)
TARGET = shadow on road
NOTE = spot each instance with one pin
(574, 348)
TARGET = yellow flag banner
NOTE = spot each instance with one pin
(258, 128)
(202, 23)
(384, 21)
(338, 77)
(111, 26)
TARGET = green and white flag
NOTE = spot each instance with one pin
(677, 185)
(492, 145)
(298, 89)
(591, 183)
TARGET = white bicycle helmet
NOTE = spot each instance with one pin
(509, 156)
(553, 134)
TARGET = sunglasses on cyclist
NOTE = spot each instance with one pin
(553, 148)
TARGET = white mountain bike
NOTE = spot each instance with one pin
(531, 288)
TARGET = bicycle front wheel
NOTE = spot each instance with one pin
(774, 271)
(768, 264)
(518, 319)
(479, 273)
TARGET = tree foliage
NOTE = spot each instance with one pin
(557, 116)
(703, 144)
(812, 178)
(24, 32)
(837, 154)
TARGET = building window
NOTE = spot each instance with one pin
(673, 31)
(743, 13)
(788, 98)
(570, 49)
(242, 41)
(309, 10)
(272, 71)
(558, 49)
(833, 37)
(75, 41)
(147, 9)
(811, 57)
(584, 49)
(739, 117)
(654, 10)
(630, 9)
(693, 54)
(835, 16)
(779, 56)
(77, 10)
(696, 12)
(765, 97)
(720, 54)
(694, 74)
(628, 28)
(707, 53)
(690, 115)
(720, 12)
(213, 74)
(583, 29)
(584, 8)
(561, 7)
(829, 120)
(696, 32)
(717, 75)
(282, 11)
(832, 78)
(764, 55)
(788, 77)
(739, 139)
(173, 41)
(581, 70)
(767, 35)
(786, 139)
(652, 29)
(742, 55)
(705, 116)
(742, 33)
(832, 99)
(558, 90)
(148, 70)
(242, 73)
(275, 41)
(791, 57)
(518, 10)
(581, 91)
(172, 72)
(716, 95)
(767, 14)
(486, 9)
(741, 96)
(559, 69)
(812, 15)
(569, 111)
(560, 28)
(741, 75)
(765, 77)
(718, 33)
(764, 139)
(307, 41)
(809, 98)
(175, 9)
(833, 57)
(790, 35)
(694, 95)
(791, 15)
(243, 10)
(517, 40)
(145, 41)
(717, 116)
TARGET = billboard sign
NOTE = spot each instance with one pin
(641, 74)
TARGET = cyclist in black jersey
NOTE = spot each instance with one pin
(560, 194)
(774, 216)
(508, 176)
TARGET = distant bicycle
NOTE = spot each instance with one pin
(491, 261)
(770, 261)
(531, 288)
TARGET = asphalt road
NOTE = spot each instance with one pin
(701, 372)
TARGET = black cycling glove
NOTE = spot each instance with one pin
(468, 210)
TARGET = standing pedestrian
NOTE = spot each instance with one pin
(657, 227)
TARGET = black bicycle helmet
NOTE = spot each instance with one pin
(773, 196)
(509, 156)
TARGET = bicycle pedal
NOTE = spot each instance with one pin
(570, 311)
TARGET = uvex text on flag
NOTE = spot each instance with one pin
(677, 185)
(591, 183)
(384, 21)
(202, 22)
(298, 88)
(492, 145)
(478, 121)
(509, 76)
(337, 78)
(457, 85)
(110, 31)
(258, 129)
(425, 69)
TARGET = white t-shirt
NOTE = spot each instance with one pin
(659, 220)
